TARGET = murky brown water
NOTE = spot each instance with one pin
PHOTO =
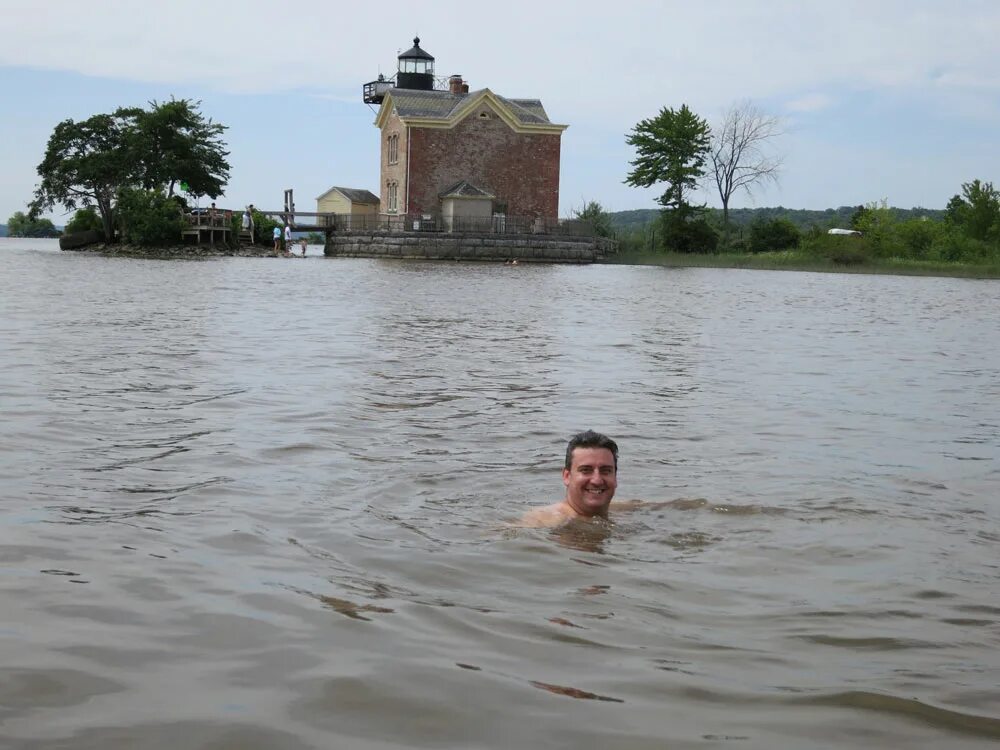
(258, 504)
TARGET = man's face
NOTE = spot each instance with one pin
(591, 481)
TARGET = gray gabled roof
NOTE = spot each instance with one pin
(443, 104)
(465, 189)
(354, 195)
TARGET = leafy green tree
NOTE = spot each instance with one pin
(918, 236)
(593, 213)
(861, 216)
(86, 162)
(671, 148)
(178, 143)
(20, 225)
(89, 163)
(878, 225)
(977, 211)
(83, 220)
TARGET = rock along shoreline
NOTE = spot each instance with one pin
(115, 250)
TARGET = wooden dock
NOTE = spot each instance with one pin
(207, 226)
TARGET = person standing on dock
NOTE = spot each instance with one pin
(248, 223)
(277, 241)
(288, 240)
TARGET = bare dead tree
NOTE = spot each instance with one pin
(742, 155)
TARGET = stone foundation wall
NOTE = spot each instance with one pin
(487, 247)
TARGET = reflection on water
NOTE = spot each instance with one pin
(261, 504)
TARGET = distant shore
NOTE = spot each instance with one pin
(797, 261)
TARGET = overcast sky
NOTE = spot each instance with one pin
(889, 99)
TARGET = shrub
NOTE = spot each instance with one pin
(235, 227)
(842, 250)
(263, 228)
(955, 246)
(596, 217)
(689, 236)
(148, 218)
(776, 234)
(917, 237)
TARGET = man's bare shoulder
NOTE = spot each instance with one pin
(545, 517)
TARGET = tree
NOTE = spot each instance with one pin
(180, 144)
(88, 163)
(860, 217)
(20, 225)
(593, 213)
(977, 211)
(740, 155)
(671, 148)
(878, 225)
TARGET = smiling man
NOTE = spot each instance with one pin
(591, 477)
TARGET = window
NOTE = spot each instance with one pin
(393, 198)
(392, 147)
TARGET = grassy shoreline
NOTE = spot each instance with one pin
(797, 261)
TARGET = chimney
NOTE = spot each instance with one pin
(455, 84)
(465, 88)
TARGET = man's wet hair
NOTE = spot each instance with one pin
(590, 439)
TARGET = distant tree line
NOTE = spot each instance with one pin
(20, 225)
(804, 219)
(679, 151)
(967, 231)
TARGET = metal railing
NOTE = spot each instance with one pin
(208, 218)
(497, 224)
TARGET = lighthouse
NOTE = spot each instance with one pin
(415, 71)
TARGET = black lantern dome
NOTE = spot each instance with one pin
(416, 69)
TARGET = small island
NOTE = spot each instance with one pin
(136, 178)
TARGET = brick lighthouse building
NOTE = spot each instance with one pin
(462, 155)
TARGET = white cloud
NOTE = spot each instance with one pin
(810, 103)
(636, 57)
(599, 69)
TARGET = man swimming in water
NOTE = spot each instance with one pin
(590, 474)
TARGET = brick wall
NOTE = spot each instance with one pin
(393, 172)
(465, 247)
(521, 170)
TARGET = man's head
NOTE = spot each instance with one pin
(589, 439)
(590, 473)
